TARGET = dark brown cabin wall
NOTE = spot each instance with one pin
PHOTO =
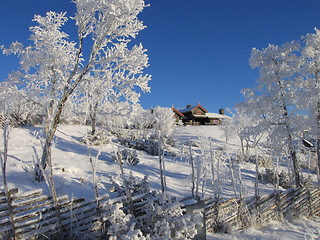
(198, 111)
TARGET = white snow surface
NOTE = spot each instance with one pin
(73, 175)
(301, 228)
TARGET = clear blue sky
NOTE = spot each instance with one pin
(198, 49)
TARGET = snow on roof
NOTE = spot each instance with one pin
(212, 115)
(200, 116)
(216, 115)
(177, 112)
(188, 109)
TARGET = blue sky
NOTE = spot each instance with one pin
(198, 49)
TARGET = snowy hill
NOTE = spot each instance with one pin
(73, 173)
(72, 168)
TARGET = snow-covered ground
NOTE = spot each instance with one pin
(301, 228)
(73, 174)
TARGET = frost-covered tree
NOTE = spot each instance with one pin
(163, 120)
(15, 108)
(247, 124)
(117, 79)
(140, 121)
(279, 66)
(310, 94)
(53, 66)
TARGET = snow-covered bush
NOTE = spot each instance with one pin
(15, 108)
(118, 221)
(131, 157)
(150, 146)
(133, 234)
(264, 161)
(304, 161)
(170, 141)
(222, 227)
(128, 157)
(134, 185)
(269, 176)
(99, 138)
(138, 144)
(165, 219)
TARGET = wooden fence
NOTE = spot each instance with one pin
(257, 211)
(33, 216)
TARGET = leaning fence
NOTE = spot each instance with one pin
(33, 215)
(257, 211)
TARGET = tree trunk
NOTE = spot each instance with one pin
(256, 183)
(242, 145)
(316, 74)
(212, 167)
(192, 170)
(293, 156)
(161, 163)
(93, 116)
(50, 131)
(292, 151)
(318, 143)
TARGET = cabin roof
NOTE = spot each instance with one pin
(178, 112)
(191, 108)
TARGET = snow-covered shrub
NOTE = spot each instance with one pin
(128, 157)
(150, 146)
(138, 144)
(133, 234)
(99, 138)
(263, 160)
(170, 141)
(304, 161)
(134, 185)
(15, 108)
(222, 227)
(165, 219)
(119, 222)
(269, 176)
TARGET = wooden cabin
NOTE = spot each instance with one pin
(177, 115)
(197, 115)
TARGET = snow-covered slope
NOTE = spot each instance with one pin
(71, 166)
(73, 174)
